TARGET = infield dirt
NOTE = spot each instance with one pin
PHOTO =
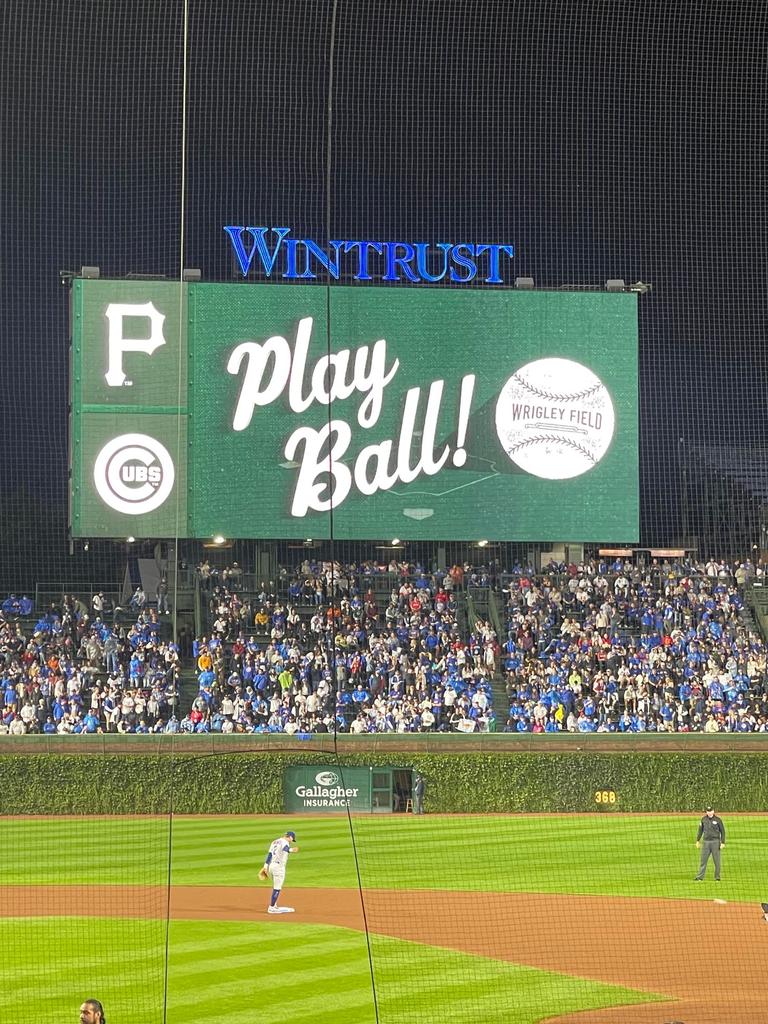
(688, 950)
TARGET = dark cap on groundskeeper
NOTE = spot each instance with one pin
(291, 835)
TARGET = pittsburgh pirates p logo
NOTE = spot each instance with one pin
(117, 344)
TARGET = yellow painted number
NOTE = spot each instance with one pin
(605, 796)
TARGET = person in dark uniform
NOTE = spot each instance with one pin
(418, 794)
(711, 839)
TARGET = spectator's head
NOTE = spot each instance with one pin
(92, 1012)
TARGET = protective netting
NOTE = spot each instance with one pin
(85, 896)
(517, 885)
(603, 142)
(606, 142)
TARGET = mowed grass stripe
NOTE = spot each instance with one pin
(277, 983)
(296, 972)
(274, 982)
(50, 964)
(348, 981)
(327, 942)
(246, 1010)
(479, 988)
(641, 856)
(41, 851)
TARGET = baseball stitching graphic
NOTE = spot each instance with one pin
(555, 418)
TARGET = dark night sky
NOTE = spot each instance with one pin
(603, 138)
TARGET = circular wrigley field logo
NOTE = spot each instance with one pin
(555, 418)
(133, 474)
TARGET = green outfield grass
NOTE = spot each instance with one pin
(633, 855)
(312, 974)
(244, 973)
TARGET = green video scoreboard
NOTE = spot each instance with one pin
(288, 411)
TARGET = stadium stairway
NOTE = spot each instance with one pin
(500, 700)
(188, 690)
(754, 614)
(481, 604)
(494, 614)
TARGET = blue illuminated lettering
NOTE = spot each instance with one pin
(394, 261)
(259, 246)
(273, 252)
(291, 248)
(422, 263)
(363, 248)
(494, 274)
(322, 257)
(463, 261)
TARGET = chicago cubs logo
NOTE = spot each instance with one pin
(326, 778)
(134, 474)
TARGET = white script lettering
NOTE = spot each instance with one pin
(331, 378)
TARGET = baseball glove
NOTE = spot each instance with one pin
(263, 874)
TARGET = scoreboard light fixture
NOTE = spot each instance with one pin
(525, 283)
(615, 284)
(90, 273)
(191, 274)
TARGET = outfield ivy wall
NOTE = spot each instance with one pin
(241, 783)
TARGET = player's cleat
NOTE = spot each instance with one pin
(273, 910)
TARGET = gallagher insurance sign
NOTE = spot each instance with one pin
(322, 789)
(272, 411)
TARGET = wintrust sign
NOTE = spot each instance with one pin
(275, 254)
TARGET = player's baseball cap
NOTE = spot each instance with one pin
(291, 835)
(709, 807)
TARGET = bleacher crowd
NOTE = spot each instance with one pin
(670, 650)
(72, 672)
(595, 647)
(333, 657)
